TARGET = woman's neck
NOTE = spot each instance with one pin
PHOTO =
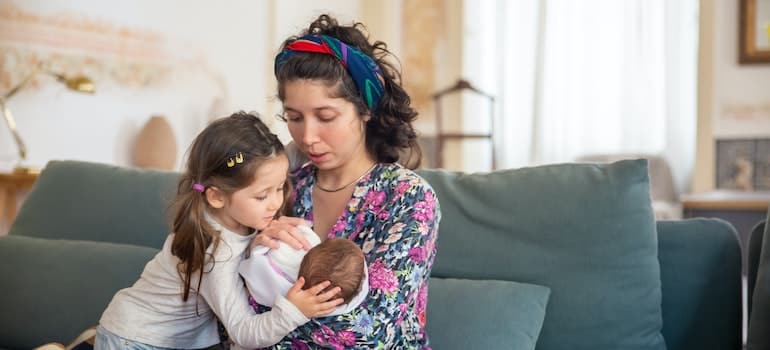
(344, 175)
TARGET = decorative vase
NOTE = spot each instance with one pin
(155, 145)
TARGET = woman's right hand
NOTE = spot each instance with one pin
(284, 229)
(314, 302)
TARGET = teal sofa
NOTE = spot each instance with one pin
(563, 256)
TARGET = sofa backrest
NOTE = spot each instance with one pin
(586, 231)
(97, 202)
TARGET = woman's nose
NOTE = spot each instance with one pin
(309, 133)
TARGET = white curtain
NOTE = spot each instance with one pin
(579, 77)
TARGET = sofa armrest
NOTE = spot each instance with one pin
(54, 289)
(700, 262)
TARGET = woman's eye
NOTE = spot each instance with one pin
(327, 118)
(292, 117)
(261, 198)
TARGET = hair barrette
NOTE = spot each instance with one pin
(238, 159)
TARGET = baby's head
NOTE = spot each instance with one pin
(337, 260)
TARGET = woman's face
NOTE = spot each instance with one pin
(329, 130)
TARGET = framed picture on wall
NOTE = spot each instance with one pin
(743, 164)
(754, 32)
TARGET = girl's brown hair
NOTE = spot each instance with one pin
(390, 136)
(207, 164)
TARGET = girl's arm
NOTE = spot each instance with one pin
(226, 295)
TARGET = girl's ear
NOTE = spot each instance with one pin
(215, 197)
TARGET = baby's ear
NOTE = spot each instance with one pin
(215, 197)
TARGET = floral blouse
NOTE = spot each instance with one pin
(393, 215)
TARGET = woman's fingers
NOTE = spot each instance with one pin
(263, 240)
(285, 229)
(294, 221)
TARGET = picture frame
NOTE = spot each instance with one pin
(754, 32)
(743, 164)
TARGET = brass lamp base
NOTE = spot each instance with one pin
(26, 170)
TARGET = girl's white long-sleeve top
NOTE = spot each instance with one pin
(152, 311)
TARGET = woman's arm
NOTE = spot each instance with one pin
(400, 253)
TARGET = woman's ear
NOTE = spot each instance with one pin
(215, 197)
(367, 117)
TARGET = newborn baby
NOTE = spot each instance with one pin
(271, 272)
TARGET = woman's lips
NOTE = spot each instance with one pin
(317, 157)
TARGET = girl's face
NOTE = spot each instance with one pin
(254, 206)
(329, 130)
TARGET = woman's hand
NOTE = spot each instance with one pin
(314, 302)
(283, 229)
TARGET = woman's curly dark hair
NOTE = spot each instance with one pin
(390, 136)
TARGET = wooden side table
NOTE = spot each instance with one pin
(13, 188)
(742, 209)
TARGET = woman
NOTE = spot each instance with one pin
(348, 114)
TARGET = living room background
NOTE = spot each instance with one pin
(200, 61)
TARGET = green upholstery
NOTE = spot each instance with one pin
(485, 314)
(97, 202)
(701, 280)
(759, 322)
(583, 231)
(54, 289)
(586, 231)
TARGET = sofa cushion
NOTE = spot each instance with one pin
(700, 263)
(759, 322)
(585, 231)
(54, 289)
(69, 201)
(484, 314)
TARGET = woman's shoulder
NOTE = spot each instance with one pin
(394, 176)
(302, 173)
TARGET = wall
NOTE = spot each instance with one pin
(732, 98)
(193, 61)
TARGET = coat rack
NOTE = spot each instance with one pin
(442, 137)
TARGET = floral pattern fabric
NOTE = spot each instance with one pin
(393, 215)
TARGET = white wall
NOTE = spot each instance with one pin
(725, 89)
(220, 59)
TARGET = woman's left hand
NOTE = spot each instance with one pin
(284, 229)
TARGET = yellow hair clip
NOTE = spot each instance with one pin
(238, 160)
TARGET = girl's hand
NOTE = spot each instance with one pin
(283, 229)
(313, 302)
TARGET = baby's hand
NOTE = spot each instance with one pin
(314, 302)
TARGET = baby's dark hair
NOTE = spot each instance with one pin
(337, 260)
(390, 136)
(225, 155)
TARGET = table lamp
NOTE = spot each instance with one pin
(77, 83)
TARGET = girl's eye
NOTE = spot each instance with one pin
(261, 198)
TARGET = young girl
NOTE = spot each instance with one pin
(234, 185)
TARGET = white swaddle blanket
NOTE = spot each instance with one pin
(271, 272)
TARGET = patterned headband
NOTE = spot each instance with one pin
(365, 72)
